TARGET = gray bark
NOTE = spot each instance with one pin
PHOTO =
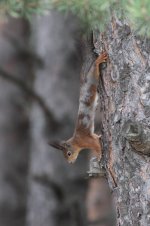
(125, 121)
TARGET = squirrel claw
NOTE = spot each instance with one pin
(102, 58)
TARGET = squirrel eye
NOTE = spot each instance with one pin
(69, 153)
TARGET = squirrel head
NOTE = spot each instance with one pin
(70, 152)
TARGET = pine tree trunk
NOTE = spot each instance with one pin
(125, 121)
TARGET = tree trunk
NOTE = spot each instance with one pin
(14, 124)
(125, 121)
(56, 189)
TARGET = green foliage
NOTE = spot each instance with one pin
(92, 13)
(138, 12)
(22, 8)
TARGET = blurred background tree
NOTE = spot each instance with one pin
(42, 53)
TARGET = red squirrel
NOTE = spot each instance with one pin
(84, 136)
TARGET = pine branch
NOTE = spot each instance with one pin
(92, 14)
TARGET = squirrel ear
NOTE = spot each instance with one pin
(57, 145)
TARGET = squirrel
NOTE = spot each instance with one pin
(84, 136)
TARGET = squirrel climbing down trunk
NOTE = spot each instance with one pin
(84, 136)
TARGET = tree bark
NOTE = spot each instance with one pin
(125, 121)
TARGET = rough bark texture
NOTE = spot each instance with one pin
(125, 117)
